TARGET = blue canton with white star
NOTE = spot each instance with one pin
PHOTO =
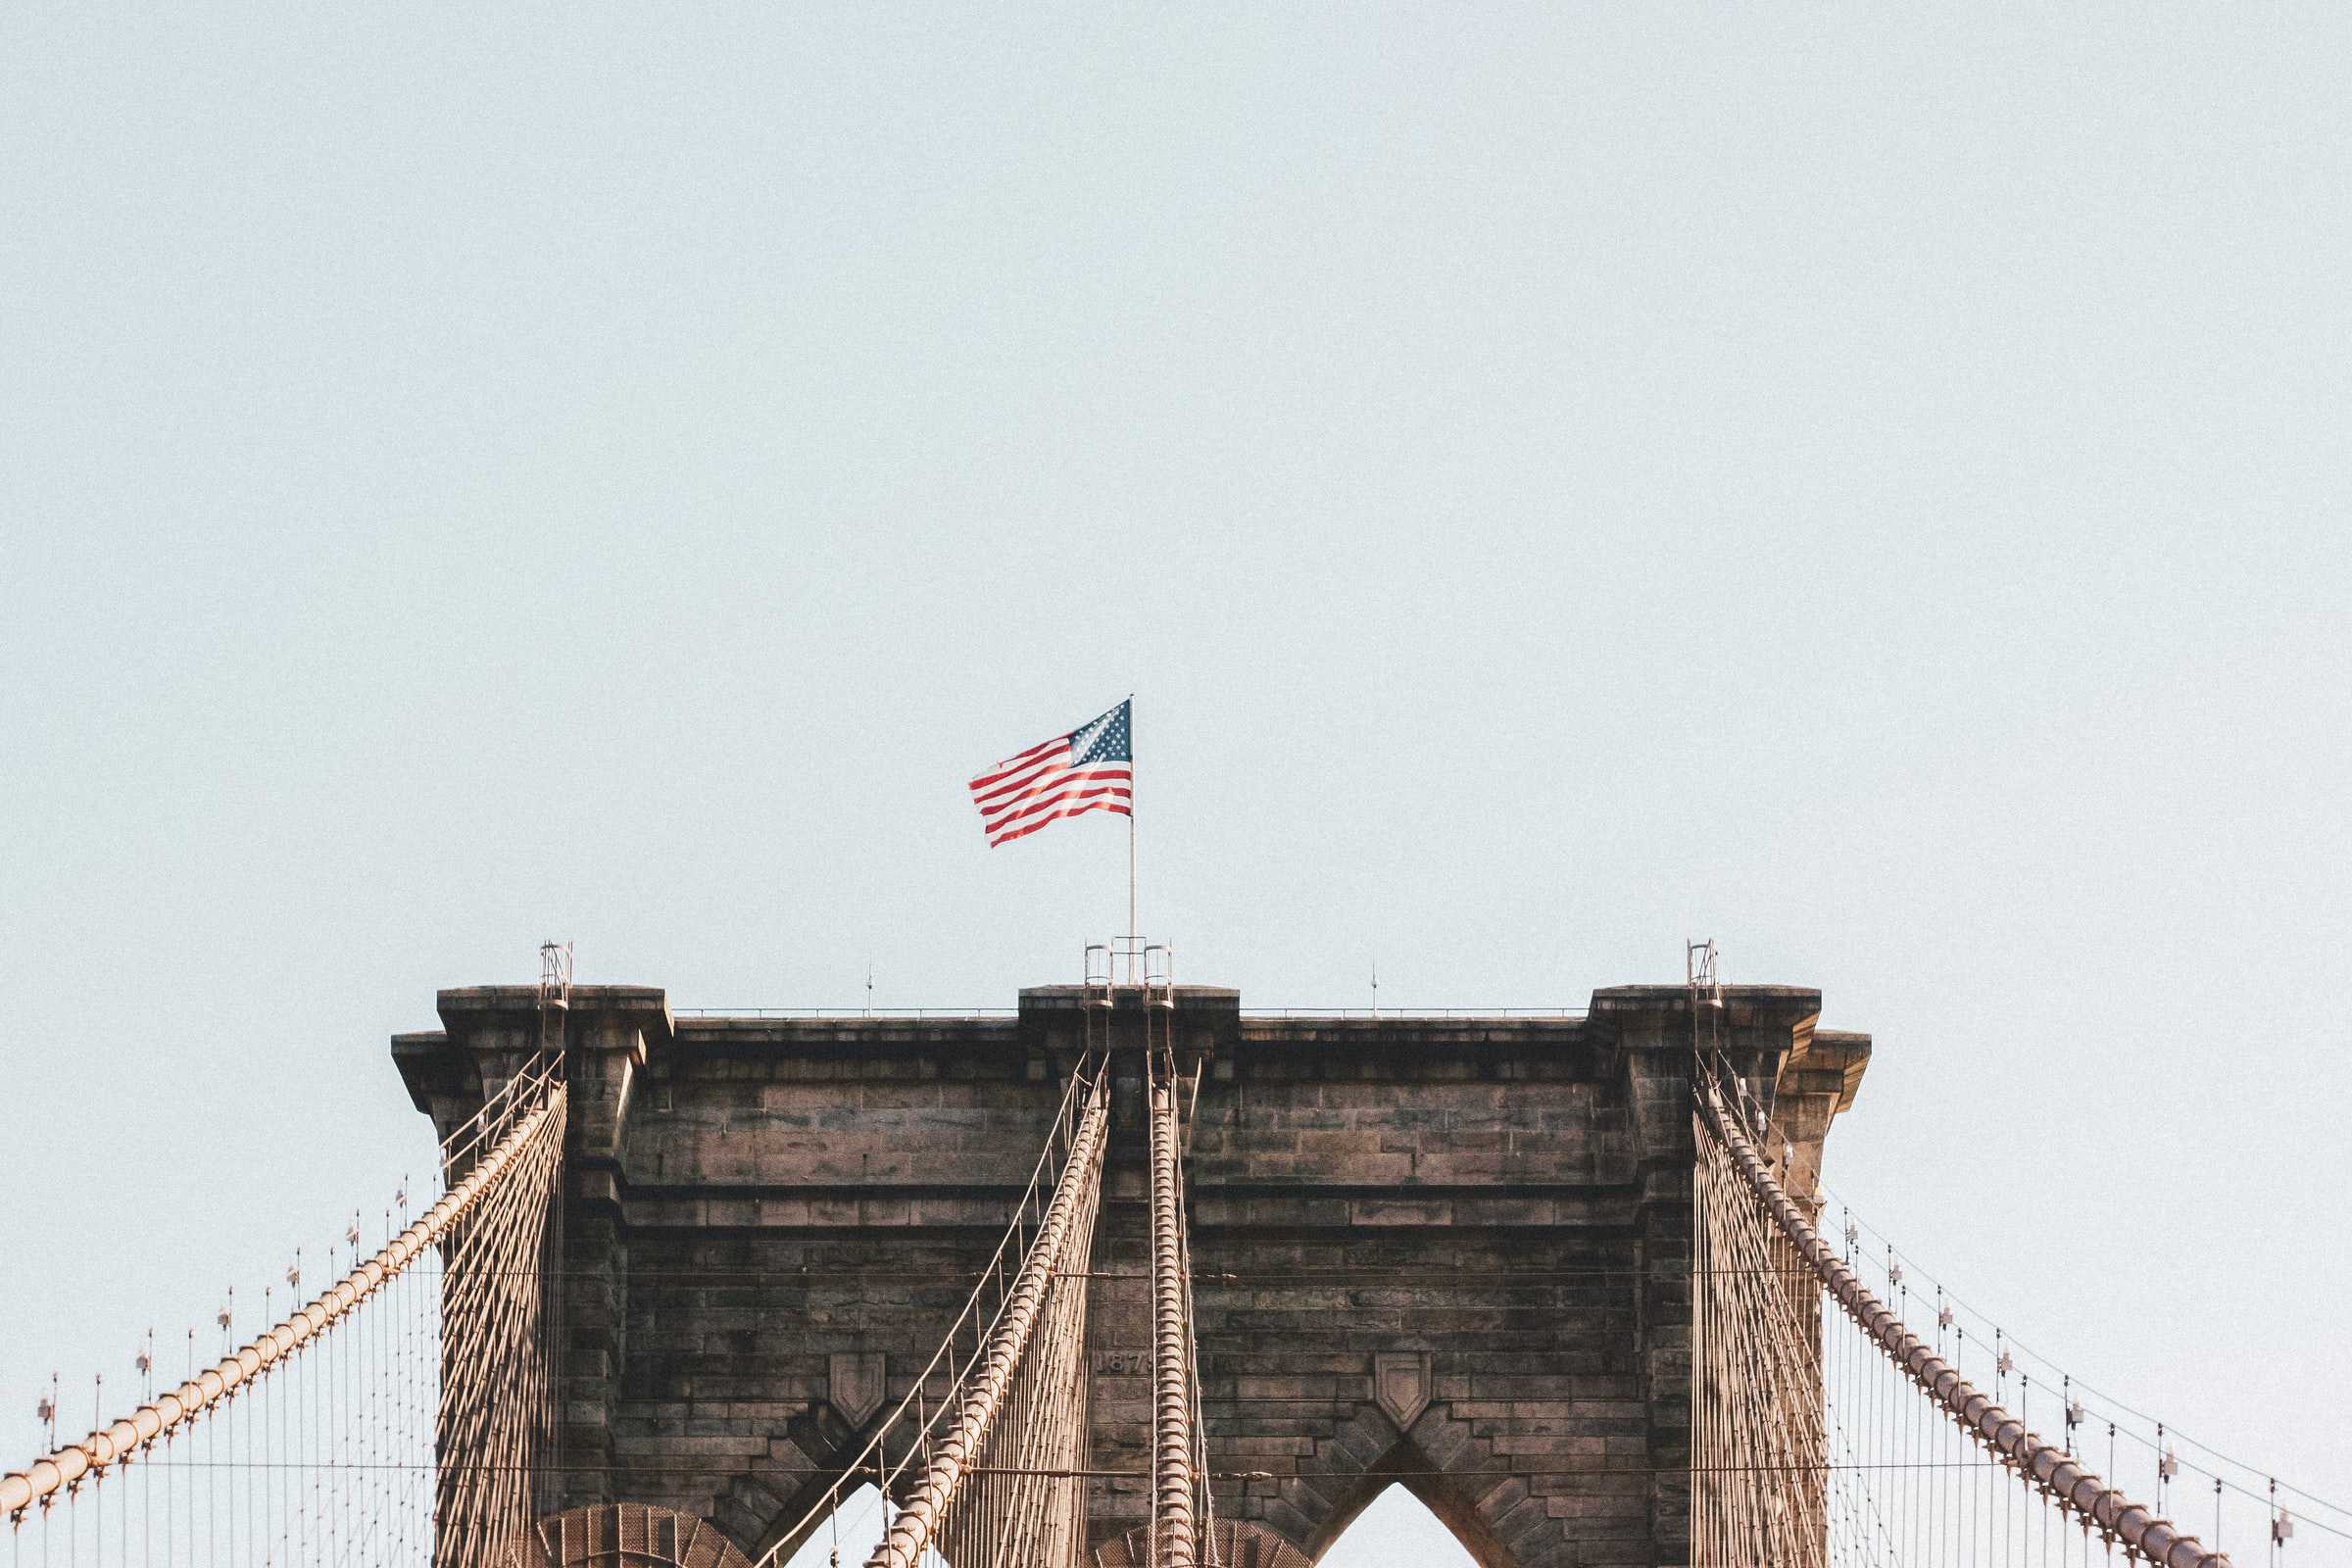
(1103, 740)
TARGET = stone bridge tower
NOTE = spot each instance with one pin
(1447, 1253)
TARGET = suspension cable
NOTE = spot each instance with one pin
(66, 1468)
(2050, 1468)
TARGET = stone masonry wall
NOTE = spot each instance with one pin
(1451, 1255)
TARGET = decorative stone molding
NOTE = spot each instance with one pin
(1400, 1385)
(854, 1385)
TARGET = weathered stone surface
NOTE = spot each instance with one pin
(1451, 1253)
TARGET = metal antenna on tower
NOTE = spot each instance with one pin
(1702, 974)
(555, 992)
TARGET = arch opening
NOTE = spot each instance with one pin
(1397, 1527)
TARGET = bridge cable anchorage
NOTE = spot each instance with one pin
(339, 1394)
(2030, 1466)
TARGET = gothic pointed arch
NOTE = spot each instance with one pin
(1397, 1527)
(1443, 1461)
(807, 1461)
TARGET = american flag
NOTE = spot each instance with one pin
(1092, 768)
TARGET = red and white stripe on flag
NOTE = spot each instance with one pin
(1092, 768)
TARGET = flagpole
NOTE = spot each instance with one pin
(1132, 937)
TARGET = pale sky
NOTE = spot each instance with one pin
(1867, 488)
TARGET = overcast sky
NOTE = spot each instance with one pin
(1867, 489)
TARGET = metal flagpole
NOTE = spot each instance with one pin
(1132, 959)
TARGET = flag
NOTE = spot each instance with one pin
(1092, 768)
